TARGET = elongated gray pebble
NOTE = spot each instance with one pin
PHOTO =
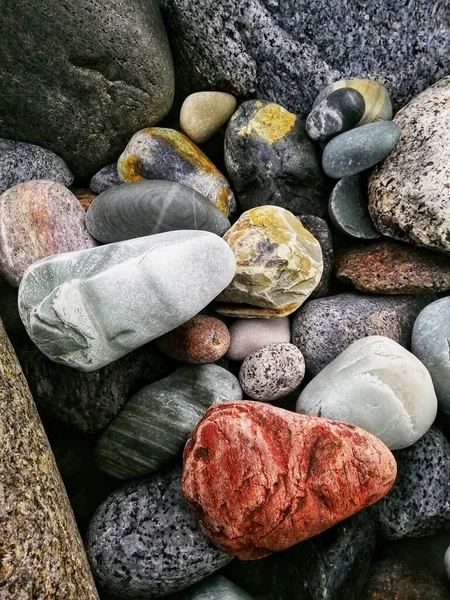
(348, 209)
(338, 112)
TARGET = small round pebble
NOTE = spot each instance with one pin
(248, 335)
(106, 178)
(336, 113)
(204, 113)
(272, 372)
(348, 210)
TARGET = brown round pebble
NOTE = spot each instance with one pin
(200, 340)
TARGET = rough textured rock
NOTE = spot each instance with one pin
(388, 267)
(271, 160)
(106, 178)
(203, 114)
(348, 211)
(261, 478)
(149, 521)
(337, 112)
(321, 231)
(409, 191)
(248, 335)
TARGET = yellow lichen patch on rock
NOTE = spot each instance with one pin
(271, 122)
(129, 169)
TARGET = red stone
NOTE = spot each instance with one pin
(261, 478)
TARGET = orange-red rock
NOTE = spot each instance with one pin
(261, 478)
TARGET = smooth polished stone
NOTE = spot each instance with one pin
(348, 210)
(339, 111)
(203, 114)
(106, 178)
(248, 335)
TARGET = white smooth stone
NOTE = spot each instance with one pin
(248, 335)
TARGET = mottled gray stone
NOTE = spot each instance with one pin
(320, 230)
(82, 86)
(106, 178)
(323, 328)
(145, 542)
(134, 210)
(337, 112)
(86, 309)
(153, 427)
(271, 160)
(418, 504)
(359, 149)
(348, 210)
(216, 587)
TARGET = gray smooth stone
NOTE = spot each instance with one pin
(106, 178)
(338, 112)
(86, 309)
(145, 542)
(348, 211)
(216, 587)
(359, 149)
(134, 210)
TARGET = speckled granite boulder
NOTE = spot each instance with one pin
(145, 542)
(216, 587)
(270, 160)
(321, 231)
(248, 335)
(104, 179)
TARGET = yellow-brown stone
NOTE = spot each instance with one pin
(271, 122)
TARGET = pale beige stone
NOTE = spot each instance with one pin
(204, 113)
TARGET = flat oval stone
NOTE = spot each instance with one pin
(348, 209)
(377, 385)
(38, 219)
(167, 154)
(359, 149)
(204, 113)
(134, 210)
(145, 542)
(337, 112)
(152, 429)
(319, 228)
(279, 264)
(106, 178)
(248, 335)
(86, 309)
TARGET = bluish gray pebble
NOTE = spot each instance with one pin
(336, 113)
(106, 178)
(348, 210)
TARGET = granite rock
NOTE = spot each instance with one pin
(248, 335)
(215, 587)
(203, 114)
(348, 211)
(86, 309)
(318, 227)
(106, 178)
(339, 111)
(271, 160)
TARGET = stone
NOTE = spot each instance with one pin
(20, 162)
(145, 542)
(87, 309)
(248, 335)
(270, 160)
(325, 327)
(134, 210)
(388, 267)
(166, 154)
(105, 179)
(377, 385)
(82, 88)
(288, 52)
(200, 340)
(84, 196)
(337, 112)
(215, 587)
(348, 211)
(359, 149)
(418, 504)
(272, 372)
(38, 219)
(408, 192)
(278, 264)
(151, 430)
(319, 228)
(261, 479)
(203, 114)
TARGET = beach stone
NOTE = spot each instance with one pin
(134, 210)
(38, 219)
(378, 385)
(248, 335)
(130, 296)
(348, 211)
(20, 162)
(408, 192)
(325, 327)
(321, 231)
(258, 477)
(270, 160)
(203, 114)
(272, 372)
(359, 149)
(151, 430)
(166, 154)
(388, 267)
(106, 178)
(337, 112)
(418, 504)
(145, 542)
(278, 264)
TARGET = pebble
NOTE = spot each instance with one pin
(348, 211)
(272, 372)
(145, 542)
(389, 267)
(248, 335)
(38, 219)
(151, 430)
(215, 587)
(87, 309)
(325, 327)
(203, 114)
(108, 177)
(20, 162)
(339, 111)
(319, 228)
(244, 476)
(278, 264)
(270, 160)
(378, 385)
(418, 504)
(166, 154)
